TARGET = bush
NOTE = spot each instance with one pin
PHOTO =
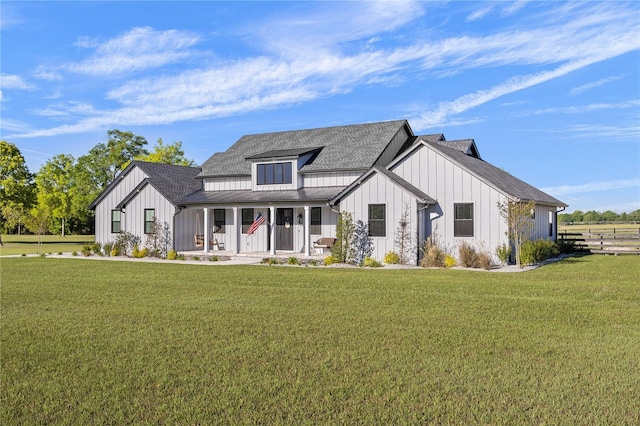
(434, 255)
(468, 255)
(330, 260)
(213, 259)
(484, 260)
(391, 258)
(195, 257)
(86, 250)
(503, 251)
(172, 255)
(566, 246)
(370, 262)
(537, 251)
(180, 257)
(293, 260)
(449, 261)
(107, 248)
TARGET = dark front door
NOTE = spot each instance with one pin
(284, 229)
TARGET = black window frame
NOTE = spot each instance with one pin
(149, 224)
(377, 223)
(274, 173)
(315, 225)
(247, 219)
(463, 220)
(219, 220)
(114, 222)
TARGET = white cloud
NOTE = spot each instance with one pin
(581, 89)
(325, 67)
(15, 82)
(137, 49)
(593, 187)
(588, 108)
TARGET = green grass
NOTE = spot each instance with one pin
(28, 244)
(118, 342)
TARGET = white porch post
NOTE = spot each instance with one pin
(307, 230)
(237, 226)
(206, 229)
(273, 230)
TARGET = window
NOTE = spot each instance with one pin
(316, 221)
(274, 174)
(463, 220)
(247, 219)
(551, 224)
(377, 223)
(218, 221)
(149, 220)
(115, 221)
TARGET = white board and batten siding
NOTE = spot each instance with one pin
(449, 184)
(327, 179)
(125, 184)
(378, 189)
(235, 183)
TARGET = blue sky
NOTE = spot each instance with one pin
(550, 91)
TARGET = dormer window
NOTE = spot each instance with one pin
(273, 173)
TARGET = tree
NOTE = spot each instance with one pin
(403, 241)
(517, 214)
(167, 154)
(55, 187)
(342, 249)
(17, 190)
(121, 148)
(38, 221)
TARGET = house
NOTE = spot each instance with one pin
(299, 181)
(142, 193)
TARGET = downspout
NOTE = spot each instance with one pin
(173, 234)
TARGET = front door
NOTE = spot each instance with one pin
(284, 229)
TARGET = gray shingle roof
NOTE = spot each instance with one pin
(498, 178)
(173, 182)
(279, 153)
(351, 147)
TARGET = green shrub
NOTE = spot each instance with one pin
(371, 262)
(136, 252)
(293, 260)
(391, 258)
(468, 255)
(195, 257)
(566, 246)
(313, 262)
(96, 248)
(75, 253)
(180, 257)
(172, 255)
(537, 251)
(329, 260)
(503, 251)
(86, 250)
(449, 261)
(107, 247)
(213, 259)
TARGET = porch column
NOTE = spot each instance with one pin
(206, 229)
(272, 209)
(307, 230)
(237, 227)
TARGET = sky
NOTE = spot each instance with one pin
(550, 91)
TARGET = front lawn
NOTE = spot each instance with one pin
(28, 244)
(118, 342)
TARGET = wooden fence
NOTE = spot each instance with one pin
(603, 241)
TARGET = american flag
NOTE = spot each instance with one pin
(259, 220)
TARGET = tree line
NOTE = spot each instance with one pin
(594, 216)
(56, 198)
